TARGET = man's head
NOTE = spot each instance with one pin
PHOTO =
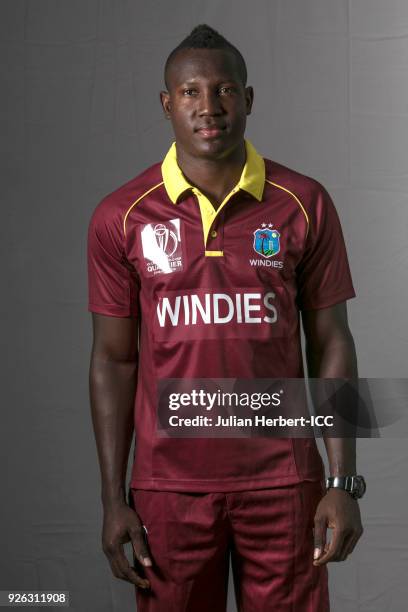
(207, 99)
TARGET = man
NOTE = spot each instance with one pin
(216, 219)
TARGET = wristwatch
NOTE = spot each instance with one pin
(355, 485)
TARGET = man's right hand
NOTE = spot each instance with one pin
(121, 524)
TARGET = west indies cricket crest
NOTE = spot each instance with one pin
(266, 240)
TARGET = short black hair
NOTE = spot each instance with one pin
(205, 37)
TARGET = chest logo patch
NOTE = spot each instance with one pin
(162, 249)
(266, 240)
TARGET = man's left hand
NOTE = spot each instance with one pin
(338, 511)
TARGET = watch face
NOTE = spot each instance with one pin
(359, 486)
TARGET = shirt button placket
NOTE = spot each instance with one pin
(215, 236)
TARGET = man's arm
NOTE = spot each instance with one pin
(330, 353)
(112, 384)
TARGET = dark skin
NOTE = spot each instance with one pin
(112, 379)
(207, 103)
(330, 353)
(206, 91)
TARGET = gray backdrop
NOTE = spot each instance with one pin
(80, 116)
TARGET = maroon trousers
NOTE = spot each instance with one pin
(268, 532)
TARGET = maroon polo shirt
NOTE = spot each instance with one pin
(217, 294)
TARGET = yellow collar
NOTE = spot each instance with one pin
(252, 178)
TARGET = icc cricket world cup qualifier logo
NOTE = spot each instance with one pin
(167, 240)
(162, 249)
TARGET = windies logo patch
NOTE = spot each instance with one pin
(161, 244)
(267, 244)
(266, 241)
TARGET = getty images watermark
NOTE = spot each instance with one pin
(254, 401)
(285, 407)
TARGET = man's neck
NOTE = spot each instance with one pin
(213, 177)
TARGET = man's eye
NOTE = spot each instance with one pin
(189, 92)
(224, 90)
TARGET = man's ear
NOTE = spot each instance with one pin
(249, 96)
(165, 102)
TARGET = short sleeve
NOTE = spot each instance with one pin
(323, 274)
(112, 281)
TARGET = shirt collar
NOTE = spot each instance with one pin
(252, 177)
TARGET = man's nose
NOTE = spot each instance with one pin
(209, 103)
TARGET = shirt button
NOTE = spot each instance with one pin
(213, 234)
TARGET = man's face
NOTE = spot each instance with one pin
(206, 102)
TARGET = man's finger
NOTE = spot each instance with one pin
(351, 543)
(130, 576)
(334, 548)
(320, 529)
(140, 548)
(344, 551)
(125, 571)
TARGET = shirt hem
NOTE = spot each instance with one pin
(111, 311)
(335, 298)
(219, 486)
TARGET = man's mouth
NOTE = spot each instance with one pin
(212, 131)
